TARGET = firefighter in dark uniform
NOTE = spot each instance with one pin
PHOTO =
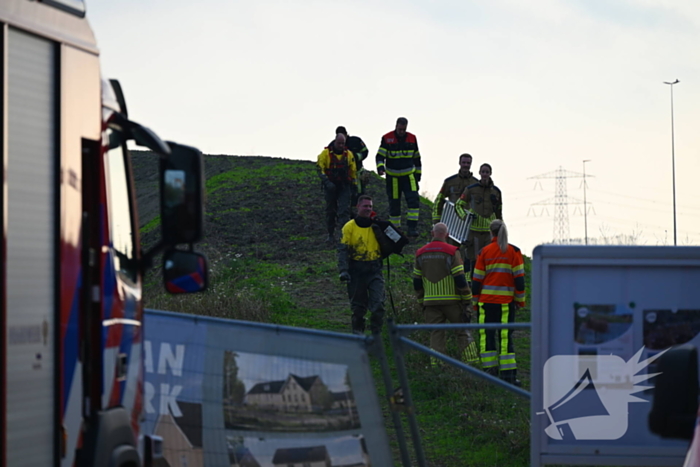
(484, 199)
(398, 157)
(336, 168)
(442, 290)
(499, 287)
(453, 187)
(360, 151)
(360, 265)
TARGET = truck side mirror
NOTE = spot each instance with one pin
(182, 195)
(184, 272)
(675, 405)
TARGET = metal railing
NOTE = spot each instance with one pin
(399, 343)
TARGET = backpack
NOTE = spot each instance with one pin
(391, 240)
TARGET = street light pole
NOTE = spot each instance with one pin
(673, 161)
(585, 205)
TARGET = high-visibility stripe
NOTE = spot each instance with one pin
(457, 270)
(401, 172)
(507, 362)
(436, 298)
(504, 332)
(381, 152)
(519, 270)
(494, 290)
(499, 267)
(481, 224)
(417, 272)
(394, 188)
(412, 214)
(414, 185)
(405, 154)
(466, 298)
(395, 221)
(479, 274)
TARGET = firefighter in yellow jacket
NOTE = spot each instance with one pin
(338, 173)
(443, 291)
(484, 199)
(360, 265)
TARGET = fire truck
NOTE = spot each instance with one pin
(72, 266)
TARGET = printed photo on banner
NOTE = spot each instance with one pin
(281, 394)
(349, 450)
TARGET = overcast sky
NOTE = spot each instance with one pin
(525, 86)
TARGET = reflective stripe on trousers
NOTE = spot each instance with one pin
(496, 345)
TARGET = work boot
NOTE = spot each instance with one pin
(509, 377)
(358, 325)
(493, 371)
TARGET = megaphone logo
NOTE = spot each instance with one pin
(585, 397)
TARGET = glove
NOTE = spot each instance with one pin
(381, 171)
(466, 314)
(520, 304)
(417, 176)
(459, 209)
(328, 185)
(345, 276)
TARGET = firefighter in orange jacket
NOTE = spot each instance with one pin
(338, 172)
(498, 287)
(442, 289)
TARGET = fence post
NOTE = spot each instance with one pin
(396, 418)
(397, 348)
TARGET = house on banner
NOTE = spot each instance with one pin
(294, 394)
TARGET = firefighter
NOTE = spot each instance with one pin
(360, 265)
(337, 170)
(398, 157)
(498, 288)
(360, 151)
(453, 187)
(484, 199)
(442, 290)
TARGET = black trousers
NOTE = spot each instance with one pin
(366, 293)
(337, 205)
(407, 185)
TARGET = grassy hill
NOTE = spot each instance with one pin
(264, 233)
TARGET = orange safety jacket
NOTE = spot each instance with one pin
(499, 277)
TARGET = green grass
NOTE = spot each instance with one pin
(151, 225)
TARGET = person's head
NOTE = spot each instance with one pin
(500, 233)
(339, 143)
(364, 206)
(485, 172)
(439, 231)
(342, 131)
(465, 162)
(401, 125)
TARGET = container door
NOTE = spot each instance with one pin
(31, 228)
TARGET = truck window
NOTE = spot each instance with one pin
(120, 217)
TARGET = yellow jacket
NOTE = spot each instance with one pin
(338, 168)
